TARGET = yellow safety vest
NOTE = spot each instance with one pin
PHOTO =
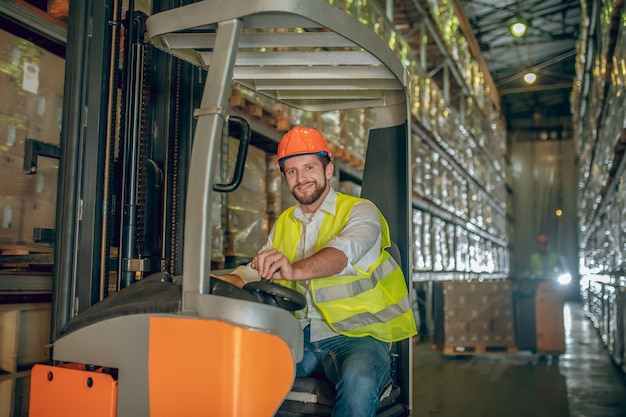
(374, 302)
(552, 266)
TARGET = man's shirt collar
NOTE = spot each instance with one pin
(328, 206)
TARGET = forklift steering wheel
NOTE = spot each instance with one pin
(275, 294)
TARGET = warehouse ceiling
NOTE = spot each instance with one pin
(537, 111)
(548, 49)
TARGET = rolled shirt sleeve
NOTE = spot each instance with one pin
(360, 239)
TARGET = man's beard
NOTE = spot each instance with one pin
(311, 198)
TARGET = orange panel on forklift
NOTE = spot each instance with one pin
(213, 368)
(58, 391)
(549, 319)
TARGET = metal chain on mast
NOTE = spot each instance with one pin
(175, 159)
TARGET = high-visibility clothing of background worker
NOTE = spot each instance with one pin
(545, 265)
(373, 302)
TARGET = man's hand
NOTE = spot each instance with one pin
(272, 264)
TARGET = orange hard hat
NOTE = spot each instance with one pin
(302, 141)
(543, 239)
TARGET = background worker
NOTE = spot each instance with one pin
(331, 248)
(545, 263)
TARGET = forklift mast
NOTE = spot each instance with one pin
(309, 55)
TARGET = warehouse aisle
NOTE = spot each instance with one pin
(584, 382)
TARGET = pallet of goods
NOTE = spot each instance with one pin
(25, 339)
(476, 317)
(31, 85)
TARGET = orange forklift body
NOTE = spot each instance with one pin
(549, 319)
(195, 367)
(212, 368)
(68, 392)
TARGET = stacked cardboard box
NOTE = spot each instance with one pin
(354, 133)
(350, 188)
(274, 190)
(24, 336)
(477, 317)
(286, 198)
(31, 87)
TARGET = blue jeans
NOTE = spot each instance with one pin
(359, 367)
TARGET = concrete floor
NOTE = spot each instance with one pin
(582, 383)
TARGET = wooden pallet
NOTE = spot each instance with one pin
(21, 256)
(478, 349)
(346, 156)
(278, 121)
(356, 162)
(28, 247)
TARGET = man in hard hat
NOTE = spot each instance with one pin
(331, 248)
(545, 263)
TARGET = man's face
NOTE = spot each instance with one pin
(307, 179)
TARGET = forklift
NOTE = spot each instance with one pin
(193, 345)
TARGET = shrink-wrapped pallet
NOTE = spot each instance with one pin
(476, 317)
(246, 225)
(31, 87)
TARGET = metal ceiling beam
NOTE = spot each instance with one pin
(483, 26)
(566, 76)
(539, 42)
(533, 88)
(548, 9)
(537, 67)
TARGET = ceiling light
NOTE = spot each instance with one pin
(518, 29)
(530, 78)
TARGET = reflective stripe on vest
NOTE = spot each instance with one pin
(373, 302)
(351, 289)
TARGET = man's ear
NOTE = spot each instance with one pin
(330, 169)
